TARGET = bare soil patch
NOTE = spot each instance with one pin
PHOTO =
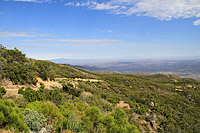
(121, 104)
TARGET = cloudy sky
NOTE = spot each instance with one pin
(98, 29)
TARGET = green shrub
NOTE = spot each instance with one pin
(73, 116)
(2, 90)
(21, 91)
(2, 118)
(50, 111)
(11, 116)
(34, 120)
(1, 96)
(111, 100)
(108, 122)
(119, 122)
(30, 94)
(55, 96)
(49, 128)
(90, 120)
(73, 122)
(18, 99)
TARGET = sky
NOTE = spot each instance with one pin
(101, 29)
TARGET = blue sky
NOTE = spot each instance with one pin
(98, 29)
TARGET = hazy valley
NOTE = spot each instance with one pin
(186, 67)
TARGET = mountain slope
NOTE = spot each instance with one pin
(156, 103)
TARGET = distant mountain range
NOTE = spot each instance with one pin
(80, 61)
(188, 67)
(118, 59)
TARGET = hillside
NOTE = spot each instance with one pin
(61, 98)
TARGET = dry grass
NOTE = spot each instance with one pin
(7, 131)
(11, 92)
(86, 94)
(48, 84)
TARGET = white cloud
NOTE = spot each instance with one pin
(20, 34)
(80, 41)
(161, 9)
(47, 56)
(75, 42)
(34, 1)
(69, 4)
(105, 31)
(197, 22)
(84, 40)
(94, 5)
(26, 0)
(15, 34)
(104, 6)
(166, 9)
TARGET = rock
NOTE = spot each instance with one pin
(152, 104)
(43, 130)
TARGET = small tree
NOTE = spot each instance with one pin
(89, 121)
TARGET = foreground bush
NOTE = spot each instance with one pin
(34, 120)
(50, 111)
(95, 121)
(117, 122)
(11, 116)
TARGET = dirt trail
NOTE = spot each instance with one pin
(9, 85)
(79, 79)
(13, 89)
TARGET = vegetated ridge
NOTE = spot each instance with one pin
(80, 101)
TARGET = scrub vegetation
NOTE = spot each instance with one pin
(88, 102)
